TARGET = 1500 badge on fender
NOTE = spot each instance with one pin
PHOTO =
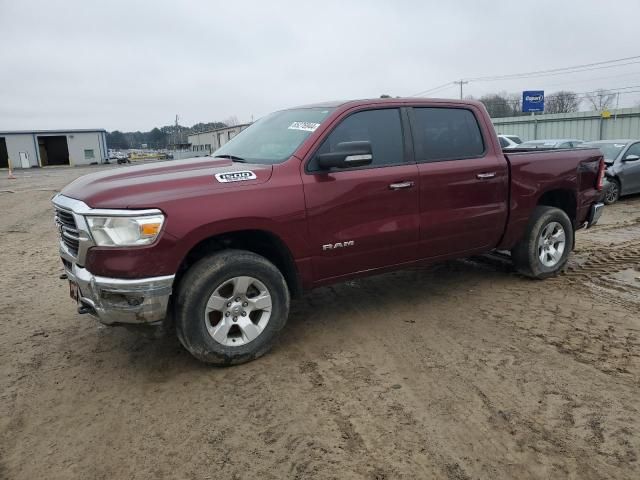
(235, 176)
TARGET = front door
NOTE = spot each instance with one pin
(630, 171)
(367, 217)
(463, 182)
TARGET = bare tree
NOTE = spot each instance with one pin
(562, 102)
(501, 104)
(600, 100)
(232, 121)
(515, 102)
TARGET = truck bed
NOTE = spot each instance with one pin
(535, 172)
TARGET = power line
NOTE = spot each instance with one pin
(550, 74)
(431, 90)
(586, 67)
(592, 79)
(540, 73)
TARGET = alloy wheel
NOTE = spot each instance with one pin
(237, 311)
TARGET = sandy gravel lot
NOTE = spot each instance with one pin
(460, 371)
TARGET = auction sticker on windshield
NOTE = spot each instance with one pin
(235, 176)
(304, 126)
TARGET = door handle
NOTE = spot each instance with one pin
(401, 185)
(485, 176)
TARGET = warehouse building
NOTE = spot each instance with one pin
(204, 143)
(43, 148)
(607, 125)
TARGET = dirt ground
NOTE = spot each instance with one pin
(462, 371)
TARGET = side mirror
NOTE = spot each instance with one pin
(347, 155)
(631, 158)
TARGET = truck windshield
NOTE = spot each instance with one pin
(274, 138)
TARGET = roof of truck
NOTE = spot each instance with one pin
(382, 101)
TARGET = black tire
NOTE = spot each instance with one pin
(202, 280)
(526, 254)
(612, 194)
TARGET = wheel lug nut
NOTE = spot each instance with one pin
(235, 319)
(244, 304)
(244, 314)
(228, 304)
(237, 299)
(226, 314)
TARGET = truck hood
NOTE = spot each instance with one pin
(145, 186)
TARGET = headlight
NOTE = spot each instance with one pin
(125, 231)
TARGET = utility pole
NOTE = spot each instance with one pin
(461, 83)
(176, 134)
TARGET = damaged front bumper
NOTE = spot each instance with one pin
(121, 301)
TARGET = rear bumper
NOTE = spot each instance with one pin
(594, 213)
(122, 301)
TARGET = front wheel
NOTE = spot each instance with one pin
(230, 307)
(547, 242)
(612, 194)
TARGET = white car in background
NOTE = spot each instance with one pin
(552, 143)
(509, 141)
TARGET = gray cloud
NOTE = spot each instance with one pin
(134, 65)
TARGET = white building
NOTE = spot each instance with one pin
(42, 148)
(204, 143)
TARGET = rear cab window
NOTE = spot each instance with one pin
(446, 133)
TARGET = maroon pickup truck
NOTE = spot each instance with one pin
(310, 196)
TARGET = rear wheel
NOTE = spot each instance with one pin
(545, 247)
(612, 194)
(231, 307)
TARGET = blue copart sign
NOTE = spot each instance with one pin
(533, 101)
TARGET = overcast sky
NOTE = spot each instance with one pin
(133, 65)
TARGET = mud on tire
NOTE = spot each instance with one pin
(526, 255)
(200, 295)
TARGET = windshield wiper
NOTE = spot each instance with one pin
(232, 157)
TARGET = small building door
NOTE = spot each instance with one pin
(4, 155)
(24, 160)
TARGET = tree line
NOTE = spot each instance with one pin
(564, 101)
(162, 137)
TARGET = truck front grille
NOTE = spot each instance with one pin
(68, 230)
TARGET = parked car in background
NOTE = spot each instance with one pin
(118, 156)
(552, 143)
(122, 157)
(623, 167)
(509, 141)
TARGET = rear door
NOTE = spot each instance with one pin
(366, 217)
(463, 181)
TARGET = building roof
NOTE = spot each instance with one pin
(218, 129)
(46, 132)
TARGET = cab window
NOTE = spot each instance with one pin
(446, 134)
(382, 128)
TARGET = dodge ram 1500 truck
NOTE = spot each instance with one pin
(309, 196)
